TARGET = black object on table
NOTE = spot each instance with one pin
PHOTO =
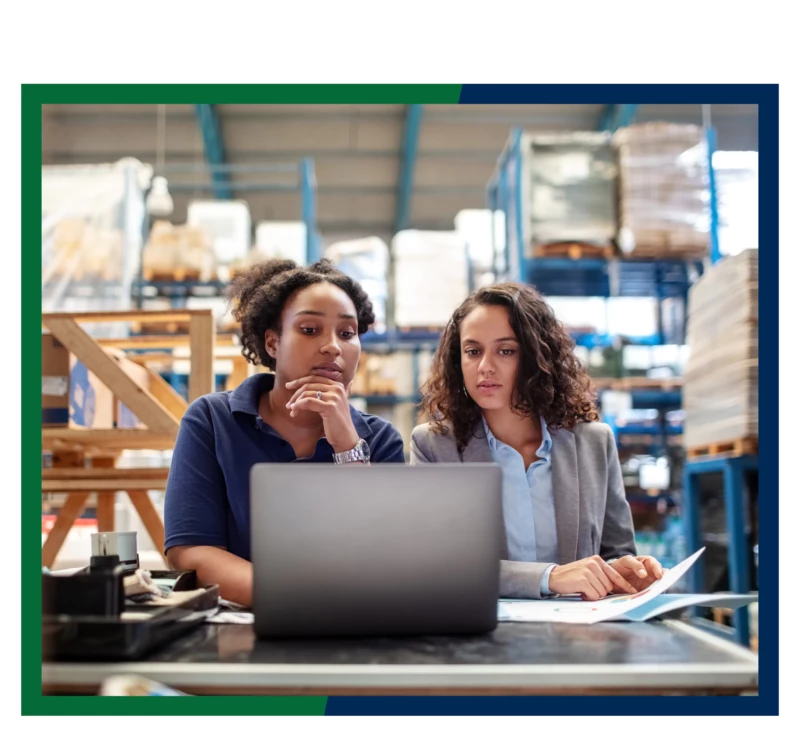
(87, 617)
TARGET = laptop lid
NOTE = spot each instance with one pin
(375, 550)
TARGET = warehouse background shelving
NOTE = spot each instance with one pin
(610, 273)
(354, 171)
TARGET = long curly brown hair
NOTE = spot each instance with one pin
(551, 381)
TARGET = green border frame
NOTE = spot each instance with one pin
(33, 97)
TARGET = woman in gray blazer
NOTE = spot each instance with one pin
(506, 387)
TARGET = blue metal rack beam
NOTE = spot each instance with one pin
(591, 277)
(733, 471)
(616, 116)
(405, 183)
(208, 120)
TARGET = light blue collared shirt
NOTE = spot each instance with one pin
(528, 508)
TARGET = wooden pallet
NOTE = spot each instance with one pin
(420, 329)
(692, 253)
(573, 250)
(634, 383)
(179, 273)
(729, 449)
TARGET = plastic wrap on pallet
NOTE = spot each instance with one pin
(281, 240)
(483, 232)
(227, 224)
(274, 240)
(431, 274)
(581, 314)
(720, 392)
(178, 252)
(736, 176)
(92, 224)
(367, 261)
(572, 188)
(663, 190)
(654, 361)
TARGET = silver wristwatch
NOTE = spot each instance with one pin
(359, 454)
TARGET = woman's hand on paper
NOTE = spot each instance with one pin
(638, 572)
(592, 578)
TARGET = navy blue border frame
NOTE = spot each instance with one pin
(766, 702)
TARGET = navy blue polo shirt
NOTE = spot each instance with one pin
(220, 438)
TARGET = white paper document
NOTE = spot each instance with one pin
(623, 607)
(223, 617)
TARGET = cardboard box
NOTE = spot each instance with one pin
(72, 396)
(720, 394)
(663, 181)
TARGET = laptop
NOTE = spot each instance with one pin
(379, 550)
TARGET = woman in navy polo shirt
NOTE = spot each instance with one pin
(304, 323)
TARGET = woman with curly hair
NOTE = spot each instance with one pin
(303, 323)
(506, 387)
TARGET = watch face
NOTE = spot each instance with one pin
(364, 448)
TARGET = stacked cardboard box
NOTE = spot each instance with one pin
(386, 375)
(431, 277)
(721, 382)
(178, 252)
(227, 224)
(663, 197)
(87, 252)
(367, 261)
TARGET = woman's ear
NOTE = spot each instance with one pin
(271, 343)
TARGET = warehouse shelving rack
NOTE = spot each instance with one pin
(291, 177)
(661, 279)
(273, 177)
(588, 277)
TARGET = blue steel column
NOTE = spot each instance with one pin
(309, 205)
(503, 188)
(738, 565)
(691, 521)
(711, 145)
(208, 121)
(491, 197)
(405, 182)
(616, 116)
(518, 206)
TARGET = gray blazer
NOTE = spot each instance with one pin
(592, 514)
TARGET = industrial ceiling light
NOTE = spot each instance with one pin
(159, 200)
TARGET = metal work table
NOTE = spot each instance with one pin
(661, 657)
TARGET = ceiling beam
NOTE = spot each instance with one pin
(208, 120)
(408, 158)
(616, 116)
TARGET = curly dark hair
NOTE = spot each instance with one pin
(260, 292)
(551, 380)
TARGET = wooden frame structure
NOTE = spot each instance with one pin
(158, 406)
